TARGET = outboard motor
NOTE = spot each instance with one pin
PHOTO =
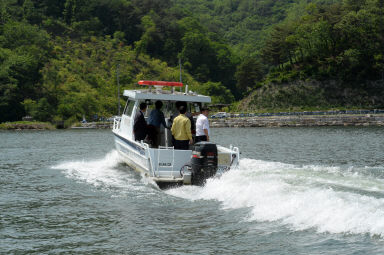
(203, 162)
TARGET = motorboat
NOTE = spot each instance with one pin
(164, 164)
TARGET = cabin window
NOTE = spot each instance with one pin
(195, 108)
(168, 109)
(129, 107)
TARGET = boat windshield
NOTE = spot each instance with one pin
(129, 107)
(170, 108)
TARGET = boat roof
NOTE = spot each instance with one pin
(166, 95)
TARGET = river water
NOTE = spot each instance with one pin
(297, 191)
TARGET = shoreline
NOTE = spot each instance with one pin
(24, 125)
(367, 120)
(301, 121)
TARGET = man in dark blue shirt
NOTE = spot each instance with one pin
(155, 120)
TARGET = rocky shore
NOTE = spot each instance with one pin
(301, 121)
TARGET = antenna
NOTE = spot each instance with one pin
(181, 80)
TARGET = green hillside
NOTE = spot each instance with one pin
(302, 53)
(59, 59)
(246, 24)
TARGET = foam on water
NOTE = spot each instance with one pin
(101, 173)
(326, 199)
(323, 198)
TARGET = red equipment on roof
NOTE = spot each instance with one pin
(161, 83)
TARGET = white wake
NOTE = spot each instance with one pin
(327, 199)
(101, 173)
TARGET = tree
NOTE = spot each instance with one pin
(248, 74)
(197, 54)
(275, 51)
(70, 11)
(23, 50)
(41, 110)
(149, 28)
(354, 5)
(219, 93)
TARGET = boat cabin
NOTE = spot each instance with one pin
(164, 164)
(171, 101)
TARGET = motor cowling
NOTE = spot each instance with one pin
(203, 162)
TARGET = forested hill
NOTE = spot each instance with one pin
(59, 58)
(302, 53)
(245, 24)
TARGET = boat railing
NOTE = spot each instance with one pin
(150, 160)
(116, 123)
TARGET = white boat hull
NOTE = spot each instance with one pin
(165, 165)
(132, 154)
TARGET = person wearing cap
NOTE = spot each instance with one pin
(181, 130)
(202, 126)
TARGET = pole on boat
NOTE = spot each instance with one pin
(181, 80)
(118, 89)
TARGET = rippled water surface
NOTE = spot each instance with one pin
(297, 191)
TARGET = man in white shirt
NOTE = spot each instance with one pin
(202, 126)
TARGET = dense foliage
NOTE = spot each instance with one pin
(335, 45)
(339, 41)
(59, 58)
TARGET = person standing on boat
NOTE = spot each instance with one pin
(187, 114)
(181, 130)
(202, 126)
(155, 120)
(140, 125)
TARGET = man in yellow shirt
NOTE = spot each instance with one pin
(181, 130)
